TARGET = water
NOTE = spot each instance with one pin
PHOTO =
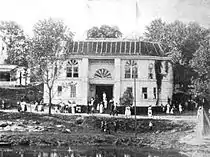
(85, 152)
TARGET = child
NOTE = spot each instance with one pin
(127, 112)
(149, 112)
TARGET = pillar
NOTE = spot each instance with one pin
(84, 80)
(117, 78)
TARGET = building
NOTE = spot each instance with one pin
(13, 75)
(97, 66)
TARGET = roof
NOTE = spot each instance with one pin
(7, 68)
(114, 48)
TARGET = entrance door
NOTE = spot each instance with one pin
(108, 89)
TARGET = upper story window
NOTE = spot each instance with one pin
(72, 69)
(131, 69)
(150, 69)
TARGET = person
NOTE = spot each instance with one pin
(149, 112)
(25, 106)
(172, 110)
(18, 106)
(88, 107)
(127, 112)
(3, 104)
(150, 125)
(167, 109)
(111, 104)
(102, 126)
(104, 100)
(73, 107)
(22, 105)
(98, 108)
(91, 105)
(101, 107)
(180, 108)
(36, 106)
(200, 122)
(115, 123)
(115, 111)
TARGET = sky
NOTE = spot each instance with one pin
(80, 15)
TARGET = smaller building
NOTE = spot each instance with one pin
(14, 75)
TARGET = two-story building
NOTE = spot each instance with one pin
(97, 66)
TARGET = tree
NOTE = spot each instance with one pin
(16, 42)
(201, 65)
(179, 41)
(127, 98)
(48, 51)
(104, 32)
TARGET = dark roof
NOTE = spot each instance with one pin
(114, 48)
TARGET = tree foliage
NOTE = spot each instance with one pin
(48, 51)
(201, 65)
(179, 41)
(127, 98)
(17, 43)
(104, 31)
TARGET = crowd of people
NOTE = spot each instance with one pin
(103, 106)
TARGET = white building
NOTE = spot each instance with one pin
(13, 75)
(97, 66)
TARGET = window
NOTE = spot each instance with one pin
(72, 69)
(131, 69)
(144, 93)
(154, 93)
(73, 91)
(150, 69)
(59, 90)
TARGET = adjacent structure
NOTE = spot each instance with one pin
(13, 75)
(95, 67)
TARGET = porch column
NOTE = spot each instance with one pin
(84, 84)
(117, 76)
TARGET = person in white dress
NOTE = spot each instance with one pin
(127, 112)
(101, 108)
(167, 109)
(149, 112)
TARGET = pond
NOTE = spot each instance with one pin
(84, 152)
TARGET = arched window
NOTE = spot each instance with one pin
(131, 69)
(102, 73)
(72, 68)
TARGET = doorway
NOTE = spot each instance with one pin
(108, 89)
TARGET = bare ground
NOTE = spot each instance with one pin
(31, 129)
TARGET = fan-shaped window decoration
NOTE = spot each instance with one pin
(72, 68)
(102, 73)
(131, 69)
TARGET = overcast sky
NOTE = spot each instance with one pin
(80, 15)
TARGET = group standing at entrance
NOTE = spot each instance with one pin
(95, 105)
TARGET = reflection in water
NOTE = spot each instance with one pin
(83, 152)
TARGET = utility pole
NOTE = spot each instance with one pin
(135, 104)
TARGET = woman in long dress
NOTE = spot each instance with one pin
(199, 127)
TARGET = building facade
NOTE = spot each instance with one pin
(13, 75)
(95, 67)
